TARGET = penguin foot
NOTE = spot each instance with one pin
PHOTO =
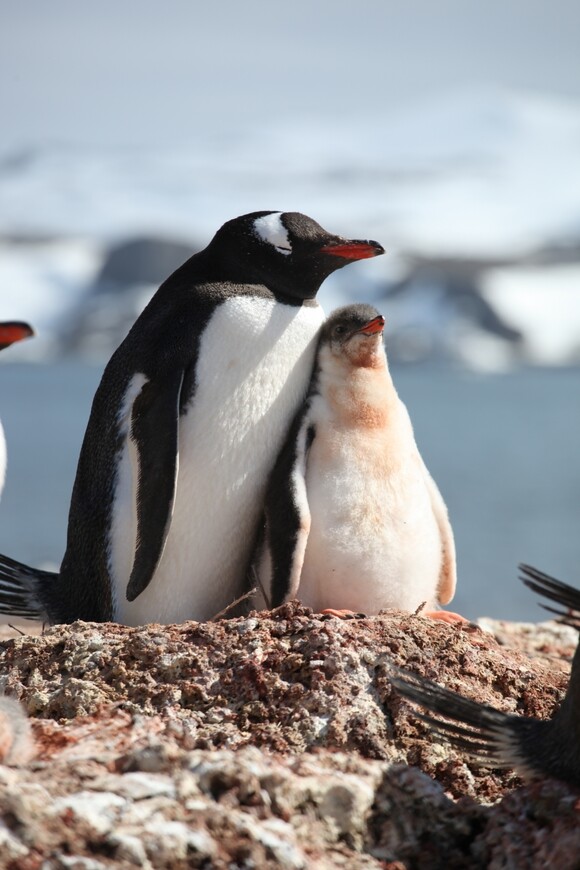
(445, 616)
(342, 614)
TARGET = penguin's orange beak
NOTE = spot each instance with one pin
(12, 331)
(374, 326)
(354, 250)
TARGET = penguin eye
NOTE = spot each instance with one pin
(282, 250)
(340, 330)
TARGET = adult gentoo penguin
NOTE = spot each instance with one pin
(185, 427)
(353, 519)
(11, 331)
(533, 747)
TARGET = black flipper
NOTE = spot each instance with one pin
(532, 746)
(155, 433)
(287, 515)
(486, 735)
(25, 591)
(555, 590)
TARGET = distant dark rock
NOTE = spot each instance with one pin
(131, 272)
(436, 310)
(437, 303)
(145, 260)
(459, 282)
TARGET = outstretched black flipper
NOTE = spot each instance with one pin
(24, 590)
(486, 735)
(532, 746)
(155, 433)
(555, 590)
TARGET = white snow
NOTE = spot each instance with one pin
(40, 283)
(544, 303)
(484, 173)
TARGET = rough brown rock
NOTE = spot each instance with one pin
(275, 741)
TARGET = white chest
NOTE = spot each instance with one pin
(254, 365)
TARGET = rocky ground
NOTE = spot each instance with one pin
(274, 741)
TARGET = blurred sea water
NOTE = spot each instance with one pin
(503, 449)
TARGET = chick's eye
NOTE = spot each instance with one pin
(339, 330)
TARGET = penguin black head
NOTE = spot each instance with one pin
(286, 251)
(355, 334)
(12, 331)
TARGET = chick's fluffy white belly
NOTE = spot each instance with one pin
(374, 542)
(254, 364)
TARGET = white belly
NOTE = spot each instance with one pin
(253, 369)
(374, 542)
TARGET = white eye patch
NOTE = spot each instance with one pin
(271, 229)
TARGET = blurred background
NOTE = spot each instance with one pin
(450, 132)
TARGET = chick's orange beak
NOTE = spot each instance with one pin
(377, 324)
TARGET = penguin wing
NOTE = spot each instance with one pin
(287, 516)
(556, 591)
(448, 575)
(155, 433)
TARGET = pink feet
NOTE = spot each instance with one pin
(445, 616)
(341, 614)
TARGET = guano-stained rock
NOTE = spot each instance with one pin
(275, 740)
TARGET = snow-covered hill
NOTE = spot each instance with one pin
(484, 174)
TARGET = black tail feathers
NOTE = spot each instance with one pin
(23, 590)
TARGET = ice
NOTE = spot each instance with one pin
(483, 173)
(544, 303)
(40, 283)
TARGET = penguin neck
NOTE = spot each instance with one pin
(286, 286)
(359, 396)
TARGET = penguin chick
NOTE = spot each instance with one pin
(353, 519)
(185, 427)
(10, 332)
(16, 743)
(533, 747)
